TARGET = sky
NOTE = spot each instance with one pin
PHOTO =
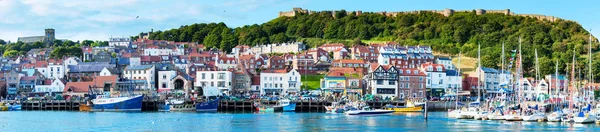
(102, 19)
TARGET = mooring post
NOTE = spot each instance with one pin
(426, 106)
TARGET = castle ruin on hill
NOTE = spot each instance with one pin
(445, 12)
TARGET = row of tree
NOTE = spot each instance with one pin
(462, 31)
(60, 48)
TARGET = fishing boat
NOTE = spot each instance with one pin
(14, 107)
(287, 105)
(208, 106)
(333, 107)
(85, 107)
(164, 107)
(128, 103)
(410, 107)
(368, 111)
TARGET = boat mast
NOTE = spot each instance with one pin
(537, 71)
(570, 92)
(590, 80)
(520, 72)
(479, 74)
(459, 56)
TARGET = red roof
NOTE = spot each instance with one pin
(274, 71)
(246, 57)
(412, 72)
(332, 45)
(349, 61)
(40, 64)
(78, 87)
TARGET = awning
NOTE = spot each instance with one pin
(160, 90)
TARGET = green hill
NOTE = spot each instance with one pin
(461, 31)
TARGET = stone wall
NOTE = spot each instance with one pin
(445, 12)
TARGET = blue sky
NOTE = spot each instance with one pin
(101, 19)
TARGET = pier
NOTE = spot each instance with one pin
(229, 105)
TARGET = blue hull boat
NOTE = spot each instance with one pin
(208, 106)
(290, 108)
(14, 107)
(133, 103)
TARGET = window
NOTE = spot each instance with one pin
(203, 75)
(392, 82)
(164, 85)
(212, 76)
(280, 78)
(406, 85)
(379, 82)
(428, 74)
(420, 79)
(401, 85)
(406, 78)
(164, 76)
(440, 75)
(441, 81)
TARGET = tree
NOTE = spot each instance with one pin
(211, 41)
(113, 55)
(2, 42)
(87, 42)
(11, 53)
(38, 45)
(57, 43)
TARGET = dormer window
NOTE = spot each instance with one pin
(439, 68)
(416, 71)
(407, 71)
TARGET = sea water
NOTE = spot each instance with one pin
(21, 121)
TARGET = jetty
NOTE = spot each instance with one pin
(227, 105)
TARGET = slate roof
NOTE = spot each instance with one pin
(140, 67)
(452, 73)
(88, 68)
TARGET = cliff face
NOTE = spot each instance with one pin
(445, 12)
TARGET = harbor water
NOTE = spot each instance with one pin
(182, 121)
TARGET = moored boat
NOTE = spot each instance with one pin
(208, 106)
(584, 117)
(368, 111)
(410, 107)
(287, 105)
(534, 117)
(129, 103)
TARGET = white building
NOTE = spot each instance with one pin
(57, 86)
(383, 80)
(161, 51)
(56, 69)
(491, 79)
(295, 47)
(108, 71)
(141, 72)
(119, 42)
(214, 79)
(436, 76)
(135, 61)
(165, 79)
(446, 61)
(528, 87)
(279, 81)
(453, 80)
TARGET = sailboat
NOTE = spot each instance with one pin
(557, 115)
(497, 113)
(453, 113)
(514, 115)
(585, 115)
(533, 114)
(473, 109)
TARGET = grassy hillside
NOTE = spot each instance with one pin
(462, 31)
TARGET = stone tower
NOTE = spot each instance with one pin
(50, 36)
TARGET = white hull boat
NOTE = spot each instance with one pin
(585, 118)
(534, 117)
